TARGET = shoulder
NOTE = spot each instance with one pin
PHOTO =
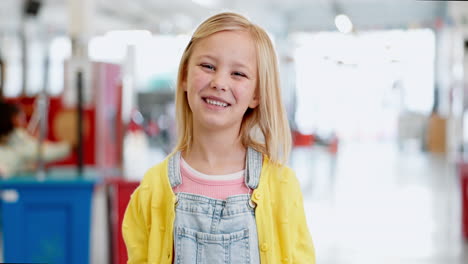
(280, 184)
(278, 174)
(155, 180)
(275, 169)
(155, 175)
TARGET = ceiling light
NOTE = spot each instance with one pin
(343, 23)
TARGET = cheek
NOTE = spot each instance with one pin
(245, 94)
(197, 82)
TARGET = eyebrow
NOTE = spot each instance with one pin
(205, 56)
(235, 64)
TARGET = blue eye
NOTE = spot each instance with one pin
(207, 66)
(239, 74)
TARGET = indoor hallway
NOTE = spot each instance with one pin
(371, 203)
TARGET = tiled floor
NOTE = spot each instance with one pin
(371, 203)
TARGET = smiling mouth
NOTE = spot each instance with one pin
(215, 102)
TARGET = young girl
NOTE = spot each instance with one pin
(223, 195)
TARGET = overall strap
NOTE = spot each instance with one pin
(174, 169)
(253, 168)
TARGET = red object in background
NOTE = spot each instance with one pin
(27, 104)
(119, 195)
(302, 139)
(463, 173)
(152, 129)
(62, 123)
(108, 104)
(333, 146)
(136, 121)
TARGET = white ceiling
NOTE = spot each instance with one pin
(278, 16)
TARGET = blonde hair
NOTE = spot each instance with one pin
(269, 116)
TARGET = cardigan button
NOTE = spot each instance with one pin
(285, 260)
(258, 195)
(162, 228)
(264, 247)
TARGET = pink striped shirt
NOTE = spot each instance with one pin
(213, 186)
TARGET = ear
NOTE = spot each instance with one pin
(184, 77)
(255, 101)
(184, 85)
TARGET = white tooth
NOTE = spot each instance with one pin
(213, 102)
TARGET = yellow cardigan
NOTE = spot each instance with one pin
(281, 224)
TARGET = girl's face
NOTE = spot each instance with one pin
(221, 79)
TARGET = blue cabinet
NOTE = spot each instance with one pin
(46, 221)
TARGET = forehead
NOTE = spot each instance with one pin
(233, 45)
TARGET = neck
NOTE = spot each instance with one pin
(214, 152)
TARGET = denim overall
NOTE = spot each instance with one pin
(213, 231)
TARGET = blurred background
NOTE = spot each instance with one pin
(375, 92)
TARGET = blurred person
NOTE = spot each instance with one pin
(223, 196)
(18, 149)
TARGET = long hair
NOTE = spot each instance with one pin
(269, 118)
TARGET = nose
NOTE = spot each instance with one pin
(219, 82)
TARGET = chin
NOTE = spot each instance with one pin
(214, 124)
